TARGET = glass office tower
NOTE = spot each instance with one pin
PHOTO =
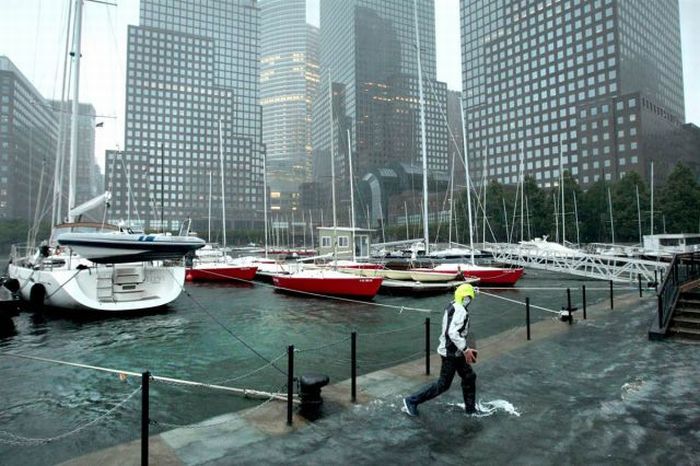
(368, 53)
(192, 67)
(288, 81)
(571, 74)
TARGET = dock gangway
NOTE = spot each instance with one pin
(595, 266)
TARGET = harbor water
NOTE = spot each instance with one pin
(209, 335)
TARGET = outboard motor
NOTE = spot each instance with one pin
(310, 386)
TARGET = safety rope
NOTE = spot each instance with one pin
(518, 302)
(246, 392)
(13, 439)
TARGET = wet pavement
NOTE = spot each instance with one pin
(596, 392)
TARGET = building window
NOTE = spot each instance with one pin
(325, 241)
(343, 241)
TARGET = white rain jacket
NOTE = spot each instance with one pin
(455, 329)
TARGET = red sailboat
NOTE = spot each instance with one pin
(328, 283)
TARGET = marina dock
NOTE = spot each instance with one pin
(594, 392)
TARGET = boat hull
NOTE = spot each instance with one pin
(360, 287)
(81, 290)
(488, 276)
(122, 248)
(221, 273)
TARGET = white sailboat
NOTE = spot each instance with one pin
(85, 266)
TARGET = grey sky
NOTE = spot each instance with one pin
(32, 35)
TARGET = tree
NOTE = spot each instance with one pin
(680, 201)
(624, 200)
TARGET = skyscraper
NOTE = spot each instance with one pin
(288, 81)
(28, 135)
(571, 74)
(192, 68)
(368, 52)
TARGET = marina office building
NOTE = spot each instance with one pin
(368, 52)
(600, 78)
(288, 82)
(190, 67)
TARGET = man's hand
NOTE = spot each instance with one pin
(470, 355)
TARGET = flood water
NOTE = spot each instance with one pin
(208, 338)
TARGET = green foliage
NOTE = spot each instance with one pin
(15, 231)
(680, 201)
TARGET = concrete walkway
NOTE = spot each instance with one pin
(594, 392)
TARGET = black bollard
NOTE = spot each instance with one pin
(427, 346)
(145, 379)
(527, 316)
(290, 383)
(612, 304)
(353, 369)
(568, 305)
(639, 280)
(583, 292)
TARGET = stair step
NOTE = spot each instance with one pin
(689, 303)
(684, 332)
(687, 319)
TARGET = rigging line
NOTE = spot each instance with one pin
(247, 392)
(318, 295)
(534, 306)
(461, 159)
(223, 326)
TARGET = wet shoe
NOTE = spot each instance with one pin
(409, 408)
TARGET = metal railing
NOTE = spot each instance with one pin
(684, 269)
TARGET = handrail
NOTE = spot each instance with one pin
(683, 269)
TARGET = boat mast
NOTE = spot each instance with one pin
(612, 225)
(265, 203)
(424, 150)
(522, 191)
(223, 196)
(639, 215)
(578, 235)
(469, 191)
(405, 210)
(652, 197)
(486, 187)
(505, 219)
(75, 107)
(452, 190)
(352, 197)
(563, 207)
(209, 218)
(335, 223)
(58, 168)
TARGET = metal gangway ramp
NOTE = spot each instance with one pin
(602, 267)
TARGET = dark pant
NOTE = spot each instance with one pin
(450, 365)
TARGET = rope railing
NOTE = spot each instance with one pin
(19, 440)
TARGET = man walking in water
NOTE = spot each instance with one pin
(457, 355)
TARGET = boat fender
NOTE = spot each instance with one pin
(12, 284)
(37, 295)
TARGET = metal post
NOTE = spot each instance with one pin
(527, 316)
(639, 280)
(583, 292)
(660, 310)
(568, 305)
(612, 303)
(145, 378)
(353, 369)
(427, 346)
(656, 281)
(290, 382)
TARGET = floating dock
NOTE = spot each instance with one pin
(407, 287)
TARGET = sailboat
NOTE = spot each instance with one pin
(92, 266)
(330, 282)
(212, 264)
(487, 275)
